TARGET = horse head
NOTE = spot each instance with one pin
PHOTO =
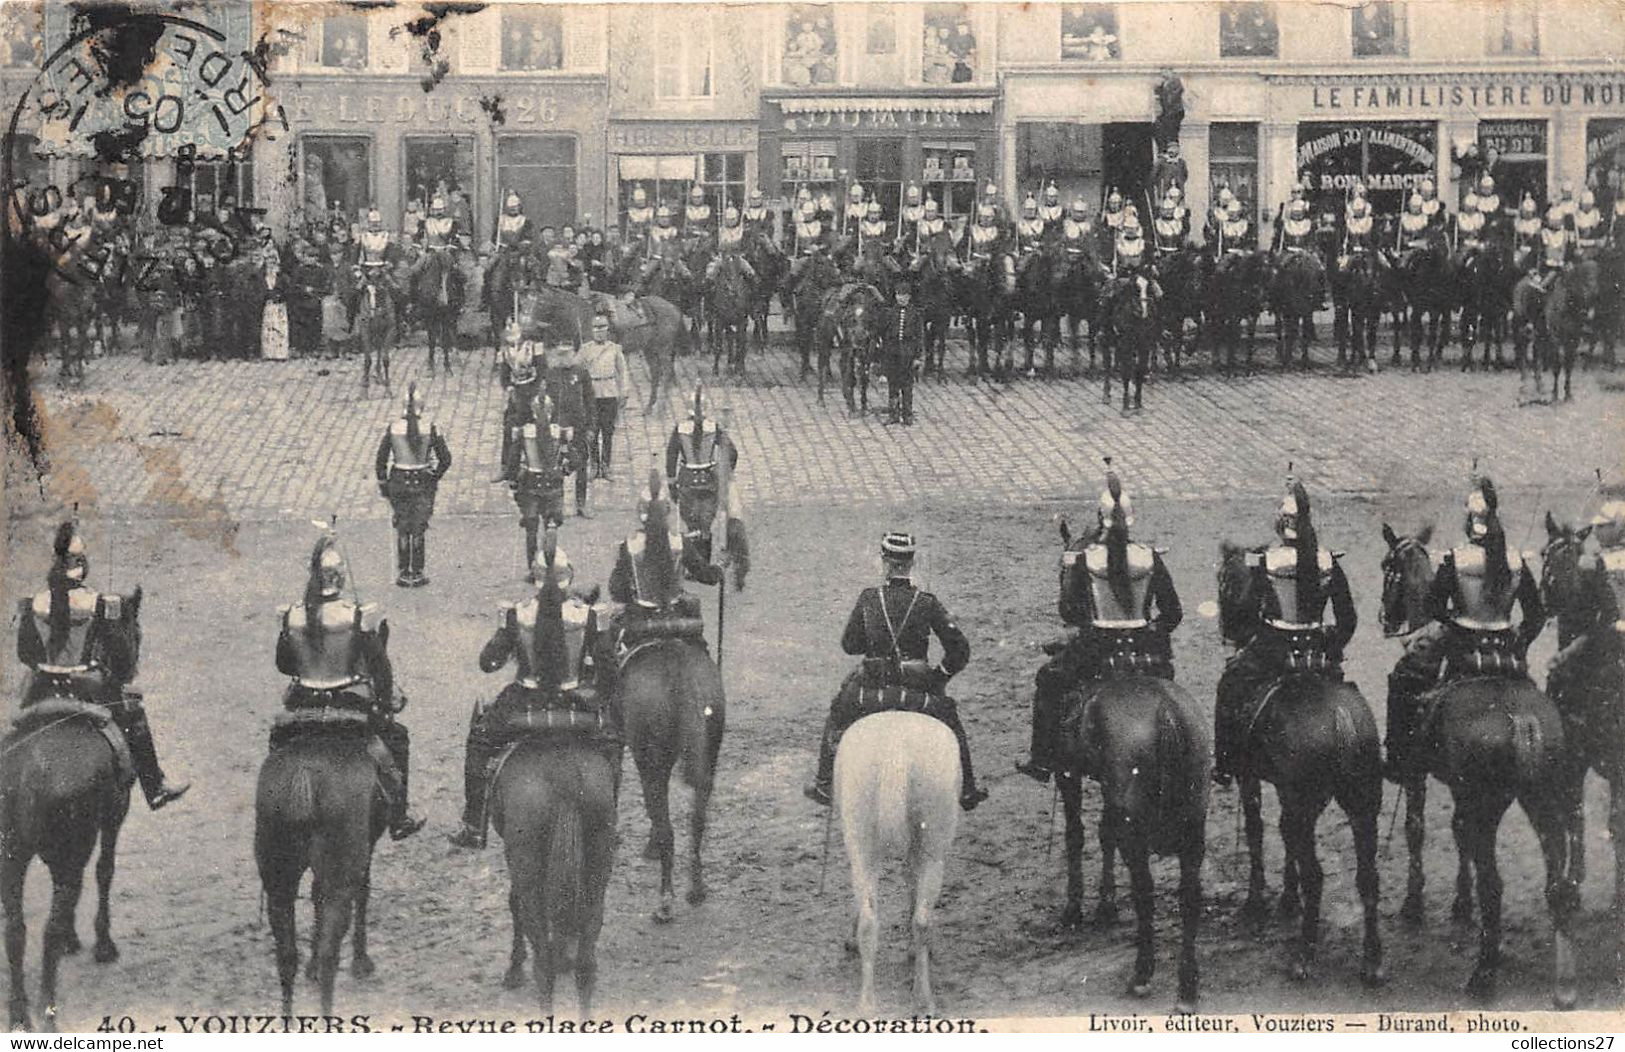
(699, 494)
(1236, 597)
(1562, 571)
(1407, 577)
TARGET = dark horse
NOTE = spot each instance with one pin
(1586, 691)
(1484, 278)
(1179, 272)
(60, 790)
(319, 807)
(655, 333)
(990, 301)
(731, 293)
(811, 278)
(850, 324)
(1235, 295)
(375, 326)
(554, 805)
(510, 275)
(1427, 276)
(438, 291)
(937, 295)
(771, 268)
(1315, 740)
(1037, 297)
(1141, 738)
(1297, 282)
(1572, 300)
(1358, 295)
(1492, 740)
(1132, 323)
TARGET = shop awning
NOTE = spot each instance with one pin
(931, 104)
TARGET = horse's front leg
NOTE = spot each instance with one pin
(514, 977)
(361, 965)
(13, 870)
(67, 881)
(1071, 792)
(1255, 908)
(106, 951)
(1106, 906)
(656, 800)
(1414, 911)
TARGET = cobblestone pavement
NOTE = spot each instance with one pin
(254, 441)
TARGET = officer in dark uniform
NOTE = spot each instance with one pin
(891, 628)
(901, 347)
(1109, 588)
(1283, 631)
(1473, 594)
(552, 638)
(64, 638)
(337, 653)
(411, 461)
(569, 385)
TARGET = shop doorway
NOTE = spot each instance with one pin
(1127, 154)
(1391, 158)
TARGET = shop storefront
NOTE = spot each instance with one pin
(1605, 159)
(943, 142)
(380, 140)
(1390, 159)
(667, 158)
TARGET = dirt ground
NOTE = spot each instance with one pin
(187, 901)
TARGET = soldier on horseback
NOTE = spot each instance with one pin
(1217, 217)
(515, 232)
(64, 638)
(1128, 254)
(1526, 230)
(811, 236)
(908, 219)
(1168, 229)
(1589, 231)
(1050, 211)
(1555, 250)
(647, 580)
(1111, 220)
(1283, 630)
(553, 639)
(1297, 230)
(986, 239)
(730, 245)
(1437, 215)
(933, 229)
(758, 220)
(336, 651)
(1472, 227)
(698, 222)
(695, 446)
(1235, 235)
(1078, 231)
(1030, 228)
(440, 231)
(1415, 228)
(891, 628)
(1599, 643)
(1110, 587)
(375, 248)
(1471, 602)
(412, 459)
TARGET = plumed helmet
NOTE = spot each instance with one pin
(1588, 200)
(856, 192)
(1114, 200)
(1052, 193)
(513, 201)
(986, 213)
(1300, 208)
(730, 215)
(68, 546)
(990, 191)
(897, 546)
(1554, 217)
(1526, 207)
(912, 194)
(1080, 207)
(328, 571)
(1486, 186)
(1608, 525)
(1131, 226)
(512, 332)
(1428, 189)
(1115, 507)
(374, 216)
(873, 211)
(1225, 196)
(1234, 208)
(1470, 202)
(1292, 519)
(1414, 204)
(1568, 189)
(414, 404)
(1359, 189)
(1166, 211)
(1175, 194)
(809, 211)
(437, 204)
(663, 213)
(1029, 207)
(804, 194)
(1482, 505)
(754, 197)
(657, 581)
(696, 194)
(640, 197)
(650, 495)
(931, 205)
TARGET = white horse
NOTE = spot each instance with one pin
(897, 789)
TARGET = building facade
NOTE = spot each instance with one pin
(882, 96)
(510, 98)
(1387, 94)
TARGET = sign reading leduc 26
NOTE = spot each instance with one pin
(144, 85)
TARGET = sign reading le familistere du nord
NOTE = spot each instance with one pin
(1485, 94)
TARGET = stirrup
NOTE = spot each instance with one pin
(1223, 779)
(817, 793)
(467, 837)
(405, 826)
(167, 794)
(970, 798)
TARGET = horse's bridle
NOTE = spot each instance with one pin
(1393, 577)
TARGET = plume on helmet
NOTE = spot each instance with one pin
(550, 647)
(60, 581)
(1497, 574)
(1308, 545)
(659, 570)
(413, 428)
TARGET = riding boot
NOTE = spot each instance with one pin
(477, 762)
(402, 822)
(530, 552)
(1040, 762)
(582, 509)
(131, 718)
(969, 794)
(419, 552)
(604, 458)
(821, 789)
(1398, 746)
(403, 559)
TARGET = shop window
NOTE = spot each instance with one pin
(532, 38)
(1379, 29)
(1233, 161)
(683, 59)
(811, 164)
(948, 53)
(344, 42)
(880, 33)
(1513, 28)
(1514, 154)
(338, 174)
(1391, 158)
(20, 35)
(879, 168)
(210, 181)
(541, 169)
(724, 177)
(1068, 155)
(949, 176)
(442, 165)
(1089, 32)
(1605, 159)
(663, 180)
(809, 45)
(1248, 30)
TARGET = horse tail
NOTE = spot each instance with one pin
(1528, 747)
(565, 854)
(1173, 780)
(300, 807)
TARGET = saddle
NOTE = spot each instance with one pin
(38, 715)
(324, 722)
(1125, 654)
(880, 685)
(1491, 655)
